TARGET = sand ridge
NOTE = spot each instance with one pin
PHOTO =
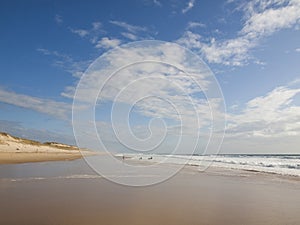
(20, 150)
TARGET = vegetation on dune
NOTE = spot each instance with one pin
(36, 143)
(61, 146)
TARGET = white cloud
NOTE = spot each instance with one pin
(262, 18)
(297, 49)
(96, 25)
(92, 34)
(53, 108)
(266, 124)
(66, 62)
(107, 43)
(230, 52)
(137, 83)
(192, 25)
(80, 32)
(130, 36)
(163, 84)
(189, 6)
(133, 32)
(272, 115)
(261, 121)
(129, 27)
(58, 19)
(229, 1)
(191, 40)
(157, 3)
(265, 17)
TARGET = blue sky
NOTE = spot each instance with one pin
(252, 47)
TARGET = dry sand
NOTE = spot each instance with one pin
(25, 157)
(18, 150)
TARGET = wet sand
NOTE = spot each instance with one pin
(191, 197)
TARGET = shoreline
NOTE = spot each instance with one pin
(72, 193)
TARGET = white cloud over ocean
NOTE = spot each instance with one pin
(261, 19)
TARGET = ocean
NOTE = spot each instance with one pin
(279, 164)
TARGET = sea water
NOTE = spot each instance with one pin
(278, 164)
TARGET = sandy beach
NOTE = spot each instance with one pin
(30, 195)
(26, 157)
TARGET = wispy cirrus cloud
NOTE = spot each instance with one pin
(66, 62)
(157, 3)
(92, 33)
(152, 3)
(95, 34)
(189, 6)
(58, 19)
(192, 25)
(107, 43)
(130, 36)
(80, 32)
(53, 108)
(129, 27)
(262, 19)
(133, 32)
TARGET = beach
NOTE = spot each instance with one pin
(71, 193)
(26, 157)
(51, 183)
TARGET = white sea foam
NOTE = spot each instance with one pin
(279, 164)
(75, 176)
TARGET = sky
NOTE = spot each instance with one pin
(248, 67)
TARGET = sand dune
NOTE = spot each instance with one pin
(20, 150)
